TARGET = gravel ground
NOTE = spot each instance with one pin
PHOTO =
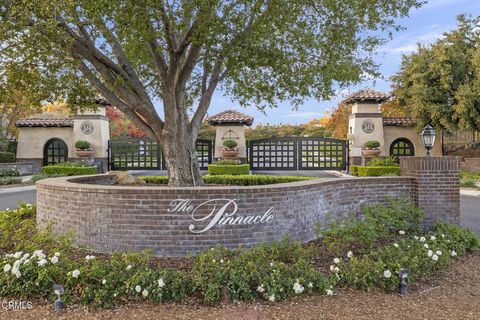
(453, 294)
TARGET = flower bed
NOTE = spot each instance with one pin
(10, 176)
(364, 255)
(233, 180)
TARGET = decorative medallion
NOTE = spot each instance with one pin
(87, 127)
(368, 126)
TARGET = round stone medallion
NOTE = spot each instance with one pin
(368, 126)
(87, 127)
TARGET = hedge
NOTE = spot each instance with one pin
(234, 180)
(370, 171)
(218, 169)
(10, 180)
(7, 157)
(69, 171)
(354, 170)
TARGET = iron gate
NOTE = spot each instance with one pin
(146, 154)
(292, 153)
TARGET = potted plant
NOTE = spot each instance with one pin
(230, 149)
(370, 149)
(83, 149)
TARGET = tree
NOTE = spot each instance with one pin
(178, 52)
(337, 124)
(440, 83)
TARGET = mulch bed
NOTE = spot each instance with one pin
(452, 294)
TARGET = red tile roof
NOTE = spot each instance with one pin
(230, 116)
(45, 122)
(367, 95)
(398, 121)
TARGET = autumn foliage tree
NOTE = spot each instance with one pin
(178, 52)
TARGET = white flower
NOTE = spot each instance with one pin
(433, 238)
(271, 264)
(336, 260)
(298, 288)
(26, 261)
(145, 293)
(57, 254)
(349, 254)
(214, 261)
(425, 246)
(332, 267)
(57, 292)
(387, 274)
(336, 269)
(401, 232)
(435, 257)
(453, 253)
(75, 273)
(329, 292)
(104, 281)
(26, 256)
(272, 298)
(443, 236)
(88, 258)
(138, 288)
(422, 239)
(39, 254)
(16, 272)
(7, 268)
(18, 254)
(310, 285)
(260, 288)
(430, 253)
(129, 267)
(438, 252)
(54, 259)
(161, 283)
(415, 237)
(42, 262)
(221, 260)
(396, 245)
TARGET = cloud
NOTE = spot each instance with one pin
(303, 115)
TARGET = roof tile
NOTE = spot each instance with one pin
(230, 116)
(367, 95)
(45, 122)
(398, 121)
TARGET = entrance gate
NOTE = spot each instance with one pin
(292, 153)
(146, 154)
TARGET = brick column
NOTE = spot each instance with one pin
(437, 186)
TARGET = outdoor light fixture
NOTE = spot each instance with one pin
(428, 138)
(403, 281)
(58, 305)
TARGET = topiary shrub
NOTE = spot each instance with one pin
(354, 170)
(82, 145)
(7, 157)
(378, 171)
(238, 169)
(69, 171)
(228, 162)
(372, 144)
(230, 144)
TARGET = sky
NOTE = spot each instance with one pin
(423, 25)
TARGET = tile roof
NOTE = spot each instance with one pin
(398, 121)
(367, 95)
(230, 116)
(45, 122)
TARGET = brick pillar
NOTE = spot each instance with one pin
(437, 186)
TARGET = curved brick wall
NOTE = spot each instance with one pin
(114, 218)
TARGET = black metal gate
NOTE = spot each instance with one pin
(146, 154)
(292, 153)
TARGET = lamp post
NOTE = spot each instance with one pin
(428, 138)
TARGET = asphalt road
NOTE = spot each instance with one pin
(469, 205)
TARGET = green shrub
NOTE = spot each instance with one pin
(383, 161)
(7, 157)
(10, 180)
(354, 170)
(9, 172)
(230, 144)
(472, 175)
(41, 176)
(235, 180)
(468, 183)
(82, 145)
(364, 171)
(224, 162)
(372, 144)
(218, 169)
(68, 170)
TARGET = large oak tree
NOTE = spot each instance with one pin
(176, 53)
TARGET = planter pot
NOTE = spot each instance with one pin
(369, 153)
(230, 153)
(84, 153)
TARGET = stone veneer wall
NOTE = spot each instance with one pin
(117, 218)
(113, 218)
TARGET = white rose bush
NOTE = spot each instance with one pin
(364, 254)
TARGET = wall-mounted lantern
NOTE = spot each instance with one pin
(428, 138)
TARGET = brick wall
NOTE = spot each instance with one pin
(437, 186)
(114, 218)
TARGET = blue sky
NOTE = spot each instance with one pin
(424, 25)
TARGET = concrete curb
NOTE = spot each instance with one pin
(470, 192)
